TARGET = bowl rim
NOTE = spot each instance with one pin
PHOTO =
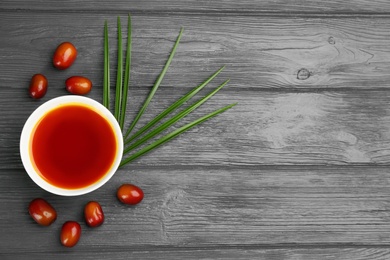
(32, 121)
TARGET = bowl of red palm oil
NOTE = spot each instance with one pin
(71, 145)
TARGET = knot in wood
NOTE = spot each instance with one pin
(303, 74)
(331, 40)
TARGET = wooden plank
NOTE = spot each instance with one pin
(265, 128)
(236, 253)
(259, 52)
(295, 7)
(212, 208)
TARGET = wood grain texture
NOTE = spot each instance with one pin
(238, 253)
(223, 7)
(259, 52)
(204, 208)
(297, 170)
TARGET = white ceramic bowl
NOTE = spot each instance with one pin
(34, 119)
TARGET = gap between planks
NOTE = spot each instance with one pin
(214, 13)
(221, 247)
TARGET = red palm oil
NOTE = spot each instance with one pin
(73, 146)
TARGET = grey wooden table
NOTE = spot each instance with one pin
(298, 170)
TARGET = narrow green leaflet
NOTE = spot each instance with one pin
(156, 85)
(174, 106)
(173, 134)
(119, 78)
(173, 120)
(127, 75)
(106, 78)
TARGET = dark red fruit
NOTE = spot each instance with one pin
(70, 233)
(42, 212)
(78, 85)
(64, 55)
(130, 194)
(93, 214)
(38, 86)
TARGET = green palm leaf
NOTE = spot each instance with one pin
(121, 98)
